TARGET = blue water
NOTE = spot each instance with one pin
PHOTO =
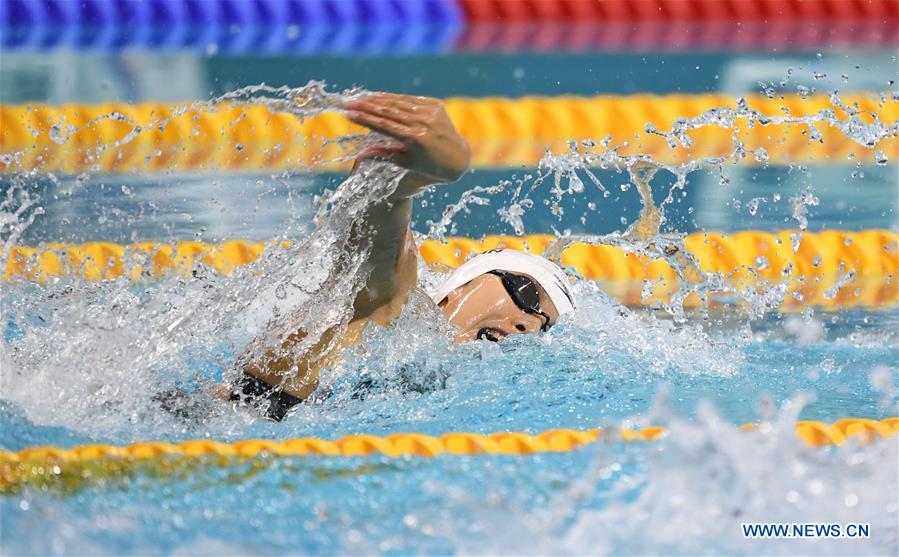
(212, 208)
(600, 369)
(533, 385)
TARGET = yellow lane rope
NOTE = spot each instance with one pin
(36, 464)
(830, 268)
(75, 138)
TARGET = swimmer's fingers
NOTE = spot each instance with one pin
(397, 108)
(381, 124)
(407, 99)
(413, 106)
(423, 111)
(387, 112)
(384, 110)
(435, 149)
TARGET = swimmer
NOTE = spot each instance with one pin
(491, 296)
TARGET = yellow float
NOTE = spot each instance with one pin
(46, 466)
(863, 265)
(503, 132)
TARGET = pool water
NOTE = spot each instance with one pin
(600, 368)
(85, 362)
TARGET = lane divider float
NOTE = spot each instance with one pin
(41, 466)
(103, 138)
(830, 268)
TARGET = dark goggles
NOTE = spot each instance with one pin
(524, 293)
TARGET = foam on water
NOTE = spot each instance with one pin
(694, 491)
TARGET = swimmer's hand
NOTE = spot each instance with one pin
(422, 136)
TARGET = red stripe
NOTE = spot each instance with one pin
(676, 35)
(495, 11)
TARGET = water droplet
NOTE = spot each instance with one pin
(575, 184)
(815, 134)
(761, 263)
(880, 158)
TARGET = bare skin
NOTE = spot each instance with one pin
(423, 140)
(484, 303)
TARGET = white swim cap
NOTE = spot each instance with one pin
(547, 274)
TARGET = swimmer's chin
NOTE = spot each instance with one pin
(462, 337)
(484, 333)
(466, 336)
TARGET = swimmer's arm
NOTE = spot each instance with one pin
(298, 376)
(422, 139)
(394, 261)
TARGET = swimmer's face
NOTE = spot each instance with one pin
(483, 308)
